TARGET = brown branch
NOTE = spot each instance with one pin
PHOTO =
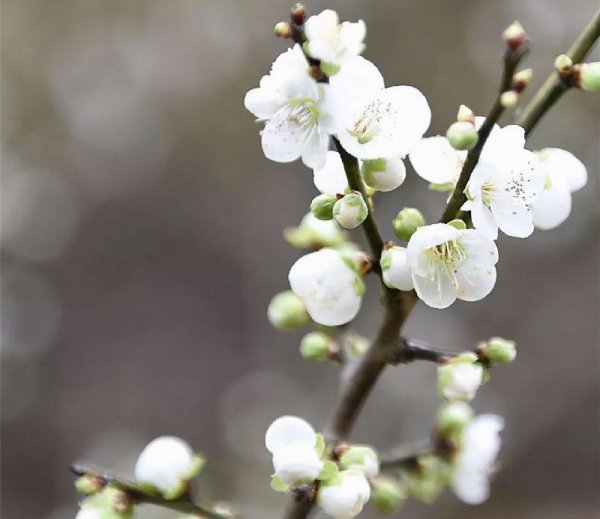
(512, 58)
(139, 495)
(554, 87)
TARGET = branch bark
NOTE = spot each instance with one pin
(140, 495)
(554, 87)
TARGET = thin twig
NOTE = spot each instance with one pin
(405, 454)
(140, 495)
(554, 87)
(512, 58)
(410, 350)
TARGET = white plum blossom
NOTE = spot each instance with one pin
(345, 495)
(476, 459)
(289, 101)
(167, 463)
(449, 263)
(362, 458)
(315, 233)
(503, 185)
(292, 442)
(330, 288)
(351, 210)
(564, 174)
(395, 269)
(460, 378)
(331, 178)
(332, 42)
(371, 121)
(88, 513)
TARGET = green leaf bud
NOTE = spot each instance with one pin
(316, 346)
(589, 77)
(498, 351)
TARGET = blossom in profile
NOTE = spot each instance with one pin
(476, 459)
(329, 286)
(345, 495)
(289, 101)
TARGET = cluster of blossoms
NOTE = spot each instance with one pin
(321, 91)
(165, 468)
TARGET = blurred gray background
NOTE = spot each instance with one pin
(142, 243)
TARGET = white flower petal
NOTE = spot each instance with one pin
(346, 499)
(472, 488)
(163, 463)
(297, 462)
(390, 178)
(331, 178)
(314, 152)
(263, 103)
(513, 218)
(282, 140)
(436, 161)
(397, 275)
(286, 430)
(557, 162)
(438, 292)
(483, 220)
(475, 283)
(553, 206)
(502, 140)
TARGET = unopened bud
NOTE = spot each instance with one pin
(407, 222)
(387, 494)
(563, 64)
(383, 174)
(453, 417)
(360, 457)
(351, 210)
(589, 77)
(509, 99)
(497, 351)
(465, 115)
(514, 35)
(460, 377)
(521, 80)
(298, 14)
(395, 269)
(88, 484)
(283, 30)
(317, 346)
(322, 206)
(286, 311)
(462, 135)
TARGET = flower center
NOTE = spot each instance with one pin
(366, 126)
(303, 113)
(444, 260)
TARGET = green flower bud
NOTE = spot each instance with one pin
(387, 494)
(361, 457)
(452, 418)
(498, 351)
(313, 233)
(322, 206)
(88, 484)
(351, 210)
(111, 503)
(407, 222)
(329, 69)
(316, 346)
(286, 311)
(563, 64)
(458, 224)
(428, 480)
(462, 135)
(589, 78)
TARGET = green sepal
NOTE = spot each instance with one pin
(386, 260)
(278, 485)
(330, 470)
(359, 285)
(442, 188)
(320, 445)
(329, 69)
(458, 224)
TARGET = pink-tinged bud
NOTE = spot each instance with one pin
(298, 14)
(465, 115)
(283, 30)
(514, 35)
(521, 80)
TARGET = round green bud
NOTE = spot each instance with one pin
(498, 351)
(453, 417)
(563, 63)
(286, 311)
(589, 78)
(387, 494)
(322, 206)
(88, 484)
(407, 222)
(428, 481)
(351, 210)
(462, 135)
(315, 346)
